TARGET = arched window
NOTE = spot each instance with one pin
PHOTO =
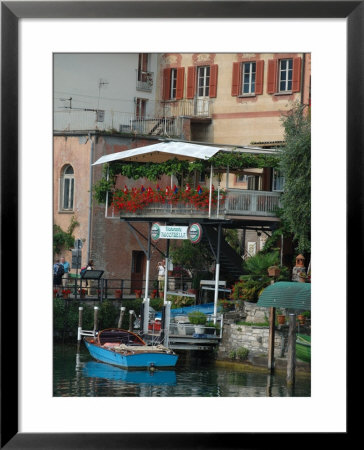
(67, 188)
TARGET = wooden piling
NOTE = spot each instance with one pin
(122, 310)
(96, 313)
(272, 319)
(291, 353)
(131, 312)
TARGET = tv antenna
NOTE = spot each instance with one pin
(102, 83)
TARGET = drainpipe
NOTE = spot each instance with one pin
(90, 199)
(302, 76)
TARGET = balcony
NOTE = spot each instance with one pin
(144, 80)
(195, 108)
(231, 202)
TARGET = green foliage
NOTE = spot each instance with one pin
(256, 279)
(295, 164)
(108, 315)
(242, 353)
(197, 318)
(63, 239)
(193, 257)
(178, 301)
(232, 238)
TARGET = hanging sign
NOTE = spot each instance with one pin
(168, 232)
(195, 233)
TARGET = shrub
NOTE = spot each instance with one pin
(242, 353)
(197, 318)
(232, 354)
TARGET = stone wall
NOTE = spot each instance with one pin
(254, 338)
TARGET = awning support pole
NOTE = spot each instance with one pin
(166, 273)
(147, 270)
(291, 351)
(217, 272)
(210, 196)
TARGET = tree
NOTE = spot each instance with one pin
(295, 164)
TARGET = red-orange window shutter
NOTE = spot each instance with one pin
(166, 84)
(259, 75)
(235, 86)
(272, 76)
(296, 75)
(213, 80)
(180, 83)
(191, 82)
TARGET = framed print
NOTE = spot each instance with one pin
(158, 424)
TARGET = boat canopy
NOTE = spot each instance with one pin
(162, 152)
(287, 294)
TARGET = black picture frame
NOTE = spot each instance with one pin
(11, 12)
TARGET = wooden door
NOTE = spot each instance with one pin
(137, 270)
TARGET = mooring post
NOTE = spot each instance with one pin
(122, 310)
(145, 315)
(291, 353)
(147, 271)
(272, 319)
(131, 312)
(167, 320)
(217, 272)
(80, 310)
(96, 313)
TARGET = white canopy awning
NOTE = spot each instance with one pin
(162, 152)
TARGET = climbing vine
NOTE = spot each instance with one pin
(61, 238)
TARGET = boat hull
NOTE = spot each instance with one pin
(138, 360)
(303, 348)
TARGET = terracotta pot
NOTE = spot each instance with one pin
(281, 319)
(301, 319)
(273, 271)
(152, 295)
(117, 294)
(65, 295)
(138, 294)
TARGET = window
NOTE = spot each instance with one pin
(67, 188)
(248, 86)
(173, 83)
(173, 88)
(285, 75)
(202, 81)
(278, 181)
(247, 78)
(140, 108)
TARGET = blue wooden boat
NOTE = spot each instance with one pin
(127, 350)
(95, 369)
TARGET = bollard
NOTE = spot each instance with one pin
(80, 309)
(96, 313)
(131, 312)
(122, 310)
(272, 315)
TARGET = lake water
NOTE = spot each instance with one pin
(196, 375)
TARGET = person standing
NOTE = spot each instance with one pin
(161, 274)
(58, 272)
(66, 268)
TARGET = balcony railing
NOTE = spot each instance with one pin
(237, 202)
(201, 108)
(144, 80)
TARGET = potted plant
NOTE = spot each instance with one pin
(199, 319)
(301, 318)
(302, 277)
(138, 293)
(118, 293)
(82, 293)
(281, 318)
(66, 293)
(274, 271)
(153, 293)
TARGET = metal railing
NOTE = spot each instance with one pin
(144, 80)
(112, 288)
(197, 107)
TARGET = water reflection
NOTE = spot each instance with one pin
(196, 375)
